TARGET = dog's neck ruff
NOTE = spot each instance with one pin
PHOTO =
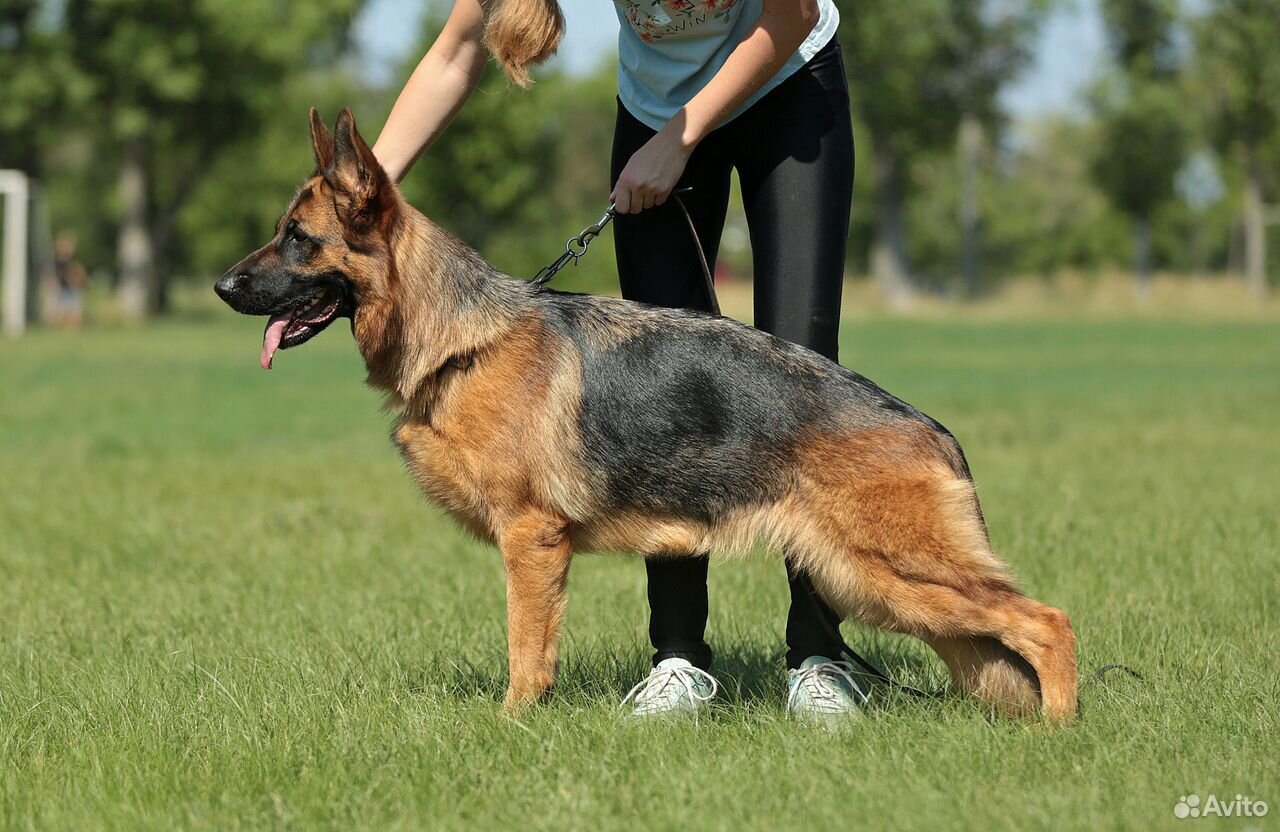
(444, 301)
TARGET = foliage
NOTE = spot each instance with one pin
(193, 74)
(1040, 210)
(898, 57)
(1235, 43)
(175, 84)
(917, 69)
(1144, 136)
(38, 80)
(1142, 142)
(217, 91)
(1141, 34)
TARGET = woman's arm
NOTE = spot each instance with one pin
(653, 171)
(444, 80)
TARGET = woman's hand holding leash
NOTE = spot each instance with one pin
(652, 173)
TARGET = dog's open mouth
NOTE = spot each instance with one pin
(300, 324)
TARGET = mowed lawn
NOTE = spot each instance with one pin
(225, 606)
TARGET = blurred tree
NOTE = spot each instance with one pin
(490, 169)
(918, 69)
(1143, 140)
(896, 58)
(37, 81)
(1044, 213)
(519, 172)
(235, 207)
(1185, 220)
(1041, 213)
(175, 84)
(993, 45)
(1239, 65)
(576, 118)
(1140, 34)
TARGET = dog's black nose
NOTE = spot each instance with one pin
(228, 284)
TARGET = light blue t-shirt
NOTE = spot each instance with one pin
(669, 49)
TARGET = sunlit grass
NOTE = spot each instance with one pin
(226, 607)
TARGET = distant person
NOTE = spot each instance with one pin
(704, 87)
(69, 281)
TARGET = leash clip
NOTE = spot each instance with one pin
(596, 227)
(576, 246)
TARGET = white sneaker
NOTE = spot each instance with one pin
(673, 687)
(823, 690)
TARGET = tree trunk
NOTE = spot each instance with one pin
(889, 251)
(1142, 258)
(161, 258)
(1255, 227)
(158, 297)
(162, 231)
(970, 141)
(134, 251)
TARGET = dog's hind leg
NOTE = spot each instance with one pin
(892, 533)
(1028, 664)
(536, 551)
(1016, 654)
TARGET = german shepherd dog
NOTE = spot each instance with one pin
(552, 423)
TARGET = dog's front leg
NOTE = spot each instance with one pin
(536, 551)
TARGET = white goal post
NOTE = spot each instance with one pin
(16, 192)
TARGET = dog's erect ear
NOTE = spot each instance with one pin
(321, 142)
(354, 172)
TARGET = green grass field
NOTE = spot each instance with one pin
(226, 607)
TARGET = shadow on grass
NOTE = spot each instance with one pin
(461, 677)
(748, 675)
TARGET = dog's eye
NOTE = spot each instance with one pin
(297, 234)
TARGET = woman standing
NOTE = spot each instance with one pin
(705, 87)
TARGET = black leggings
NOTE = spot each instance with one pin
(793, 150)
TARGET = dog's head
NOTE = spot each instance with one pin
(330, 253)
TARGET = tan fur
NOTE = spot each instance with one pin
(882, 521)
(890, 533)
(488, 400)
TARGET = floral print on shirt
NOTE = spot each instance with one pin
(656, 19)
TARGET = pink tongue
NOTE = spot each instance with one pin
(271, 339)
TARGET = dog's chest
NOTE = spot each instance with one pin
(469, 454)
(491, 439)
(448, 473)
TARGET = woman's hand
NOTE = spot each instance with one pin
(651, 173)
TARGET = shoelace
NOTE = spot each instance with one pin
(814, 682)
(647, 690)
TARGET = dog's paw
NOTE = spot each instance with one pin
(521, 696)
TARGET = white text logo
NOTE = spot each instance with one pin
(1191, 806)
